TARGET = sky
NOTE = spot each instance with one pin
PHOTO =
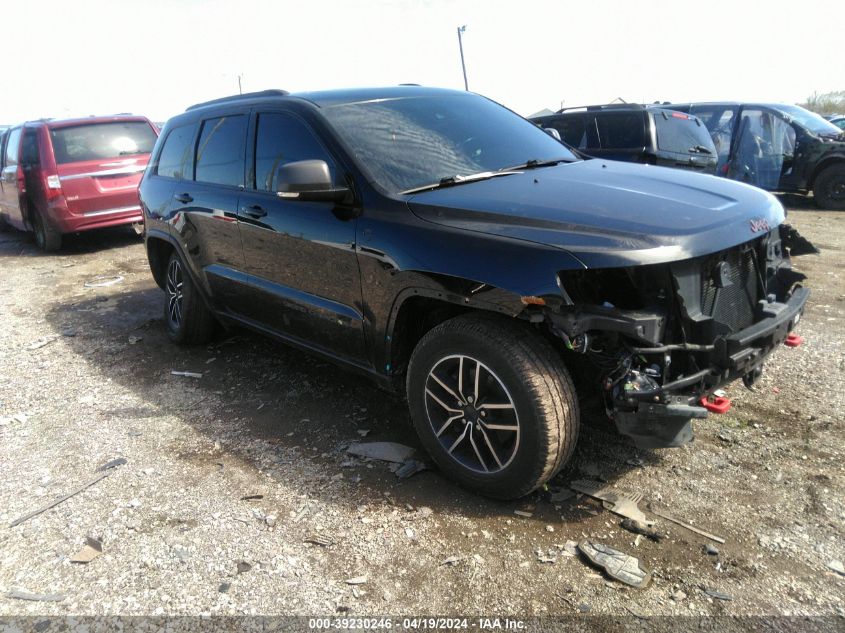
(157, 57)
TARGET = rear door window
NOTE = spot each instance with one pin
(621, 130)
(283, 138)
(99, 141)
(720, 123)
(681, 133)
(29, 150)
(177, 154)
(221, 149)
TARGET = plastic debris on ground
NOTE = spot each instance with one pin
(617, 502)
(92, 549)
(35, 597)
(382, 451)
(409, 468)
(104, 282)
(645, 530)
(616, 564)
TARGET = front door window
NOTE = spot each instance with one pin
(764, 149)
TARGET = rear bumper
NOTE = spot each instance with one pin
(64, 221)
(660, 417)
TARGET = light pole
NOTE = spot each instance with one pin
(461, 29)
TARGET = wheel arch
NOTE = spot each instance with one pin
(834, 159)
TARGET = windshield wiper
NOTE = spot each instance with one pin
(451, 181)
(534, 163)
(700, 148)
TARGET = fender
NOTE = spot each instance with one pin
(837, 156)
(158, 234)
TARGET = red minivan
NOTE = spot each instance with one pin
(73, 175)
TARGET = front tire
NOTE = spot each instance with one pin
(493, 404)
(188, 320)
(829, 188)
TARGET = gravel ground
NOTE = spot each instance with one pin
(85, 377)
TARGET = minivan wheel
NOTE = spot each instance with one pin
(187, 318)
(493, 404)
(829, 188)
(46, 238)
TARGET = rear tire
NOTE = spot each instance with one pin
(188, 320)
(493, 404)
(829, 188)
(46, 238)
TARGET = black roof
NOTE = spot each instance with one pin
(325, 98)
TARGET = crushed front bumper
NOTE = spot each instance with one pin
(660, 417)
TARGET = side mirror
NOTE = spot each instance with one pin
(552, 132)
(308, 180)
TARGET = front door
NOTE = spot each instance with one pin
(12, 187)
(763, 150)
(301, 265)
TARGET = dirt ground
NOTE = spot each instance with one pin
(85, 377)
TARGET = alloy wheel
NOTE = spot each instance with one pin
(472, 414)
(173, 288)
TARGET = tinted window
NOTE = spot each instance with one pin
(411, 142)
(175, 160)
(621, 130)
(29, 148)
(96, 141)
(282, 139)
(220, 151)
(572, 129)
(682, 134)
(12, 146)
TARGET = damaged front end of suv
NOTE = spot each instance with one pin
(663, 337)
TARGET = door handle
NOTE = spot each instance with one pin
(184, 198)
(255, 211)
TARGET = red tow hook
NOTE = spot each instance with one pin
(718, 404)
(793, 340)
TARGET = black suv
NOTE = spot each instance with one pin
(636, 134)
(777, 147)
(451, 250)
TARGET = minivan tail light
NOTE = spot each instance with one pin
(54, 187)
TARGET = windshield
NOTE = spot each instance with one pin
(411, 142)
(96, 141)
(809, 120)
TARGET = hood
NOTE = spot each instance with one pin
(608, 213)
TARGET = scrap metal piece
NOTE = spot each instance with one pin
(120, 461)
(73, 493)
(92, 549)
(616, 502)
(616, 564)
(691, 528)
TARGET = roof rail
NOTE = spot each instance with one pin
(606, 106)
(247, 95)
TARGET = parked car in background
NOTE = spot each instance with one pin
(73, 175)
(777, 147)
(838, 120)
(636, 134)
(450, 250)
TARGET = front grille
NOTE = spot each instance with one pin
(729, 288)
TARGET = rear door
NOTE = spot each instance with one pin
(100, 165)
(12, 183)
(621, 136)
(720, 121)
(204, 207)
(300, 256)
